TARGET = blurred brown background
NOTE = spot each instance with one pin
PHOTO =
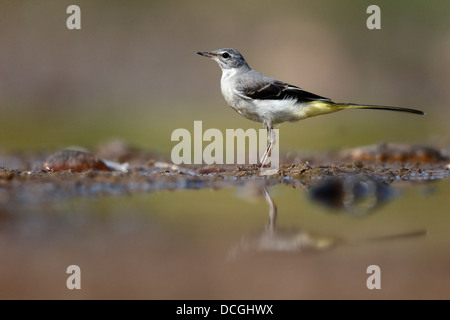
(132, 71)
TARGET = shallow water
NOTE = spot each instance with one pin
(234, 242)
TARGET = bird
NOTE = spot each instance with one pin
(270, 101)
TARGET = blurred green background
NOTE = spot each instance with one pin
(132, 71)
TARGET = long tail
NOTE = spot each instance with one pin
(358, 106)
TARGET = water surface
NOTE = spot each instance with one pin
(228, 243)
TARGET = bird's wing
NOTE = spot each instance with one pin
(266, 88)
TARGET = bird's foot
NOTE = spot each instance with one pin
(267, 171)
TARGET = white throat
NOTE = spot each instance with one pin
(228, 73)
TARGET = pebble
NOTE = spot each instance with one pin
(75, 160)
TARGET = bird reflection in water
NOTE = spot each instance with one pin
(274, 239)
(356, 195)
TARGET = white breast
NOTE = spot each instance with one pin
(227, 88)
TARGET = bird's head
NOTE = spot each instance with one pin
(227, 58)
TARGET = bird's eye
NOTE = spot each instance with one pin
(225, 55)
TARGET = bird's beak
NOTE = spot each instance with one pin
(207, 54)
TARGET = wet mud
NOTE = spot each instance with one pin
(116, 169)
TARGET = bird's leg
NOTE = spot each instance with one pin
(272, 137)
(264, 157)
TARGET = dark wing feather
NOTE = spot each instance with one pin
(277, 90)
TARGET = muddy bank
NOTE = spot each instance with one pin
(116, 169)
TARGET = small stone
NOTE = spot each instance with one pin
(75, 160)
(208, 169)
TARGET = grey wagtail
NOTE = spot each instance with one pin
(264, 99)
